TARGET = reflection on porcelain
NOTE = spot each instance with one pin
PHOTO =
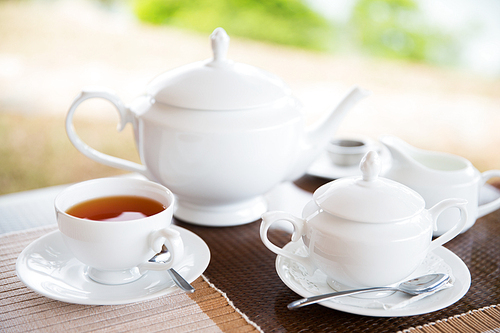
(48, 267)
(365, 231)
(437, 176)
(219, 134)
(118, 252)
(440, 260)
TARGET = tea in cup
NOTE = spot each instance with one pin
(115, 225)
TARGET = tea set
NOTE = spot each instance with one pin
(214, 137)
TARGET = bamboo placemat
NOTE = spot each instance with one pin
(22, 310)
(476, 321)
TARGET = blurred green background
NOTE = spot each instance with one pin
(288, 22)
(385, 28)
(50, 49)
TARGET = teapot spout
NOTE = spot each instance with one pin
(320, 133)
(323, 130)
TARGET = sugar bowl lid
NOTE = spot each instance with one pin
(370, 198)
(217, 83)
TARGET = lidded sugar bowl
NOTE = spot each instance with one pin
(365, 231)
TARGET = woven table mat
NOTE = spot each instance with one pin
(22, 310)
(245, 269)
(481, 320)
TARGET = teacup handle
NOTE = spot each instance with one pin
(126, 116)
(493, 205)
(437, 209)
(173, 241)
(298, 231)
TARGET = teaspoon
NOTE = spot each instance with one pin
(163, 256)
(416, 286)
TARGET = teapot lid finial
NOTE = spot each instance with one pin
(370, 166)
(220, 44)
(220, 84)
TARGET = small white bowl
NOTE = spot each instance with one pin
(347, 151)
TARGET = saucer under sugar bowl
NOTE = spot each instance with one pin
(365, 231)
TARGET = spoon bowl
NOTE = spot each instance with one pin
(164, 256)
(420, 285)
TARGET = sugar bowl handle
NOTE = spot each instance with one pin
(299, 230)
(437, 209)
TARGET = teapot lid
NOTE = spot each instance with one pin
(369, 198)
(217, 83)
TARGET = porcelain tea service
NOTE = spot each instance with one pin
(437, 176)
(118, 252)
(365, 231)
(219, 134)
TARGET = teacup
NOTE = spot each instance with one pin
(117, 252)
(348, 151)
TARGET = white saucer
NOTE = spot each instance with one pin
(324, 167)
(441, 260)
(47, 267)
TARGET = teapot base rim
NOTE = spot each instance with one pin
(233, 214)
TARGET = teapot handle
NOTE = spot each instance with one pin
(299, 230)
(437, 209)
(493, 205)
(126, 116)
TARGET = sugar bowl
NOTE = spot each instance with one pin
(365, 231)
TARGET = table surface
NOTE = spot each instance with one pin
(244, 269)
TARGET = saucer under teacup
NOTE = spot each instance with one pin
(113, 277)
(47, 267)
(441, 260)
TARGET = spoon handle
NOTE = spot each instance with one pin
(315, 299)
(180, 281)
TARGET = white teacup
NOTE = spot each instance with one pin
(118, 252)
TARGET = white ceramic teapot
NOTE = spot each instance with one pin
(219, 134)
(437, 176)
(365, 231)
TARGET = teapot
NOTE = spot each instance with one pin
(219, 134)
(437, 176)
(364, 231)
